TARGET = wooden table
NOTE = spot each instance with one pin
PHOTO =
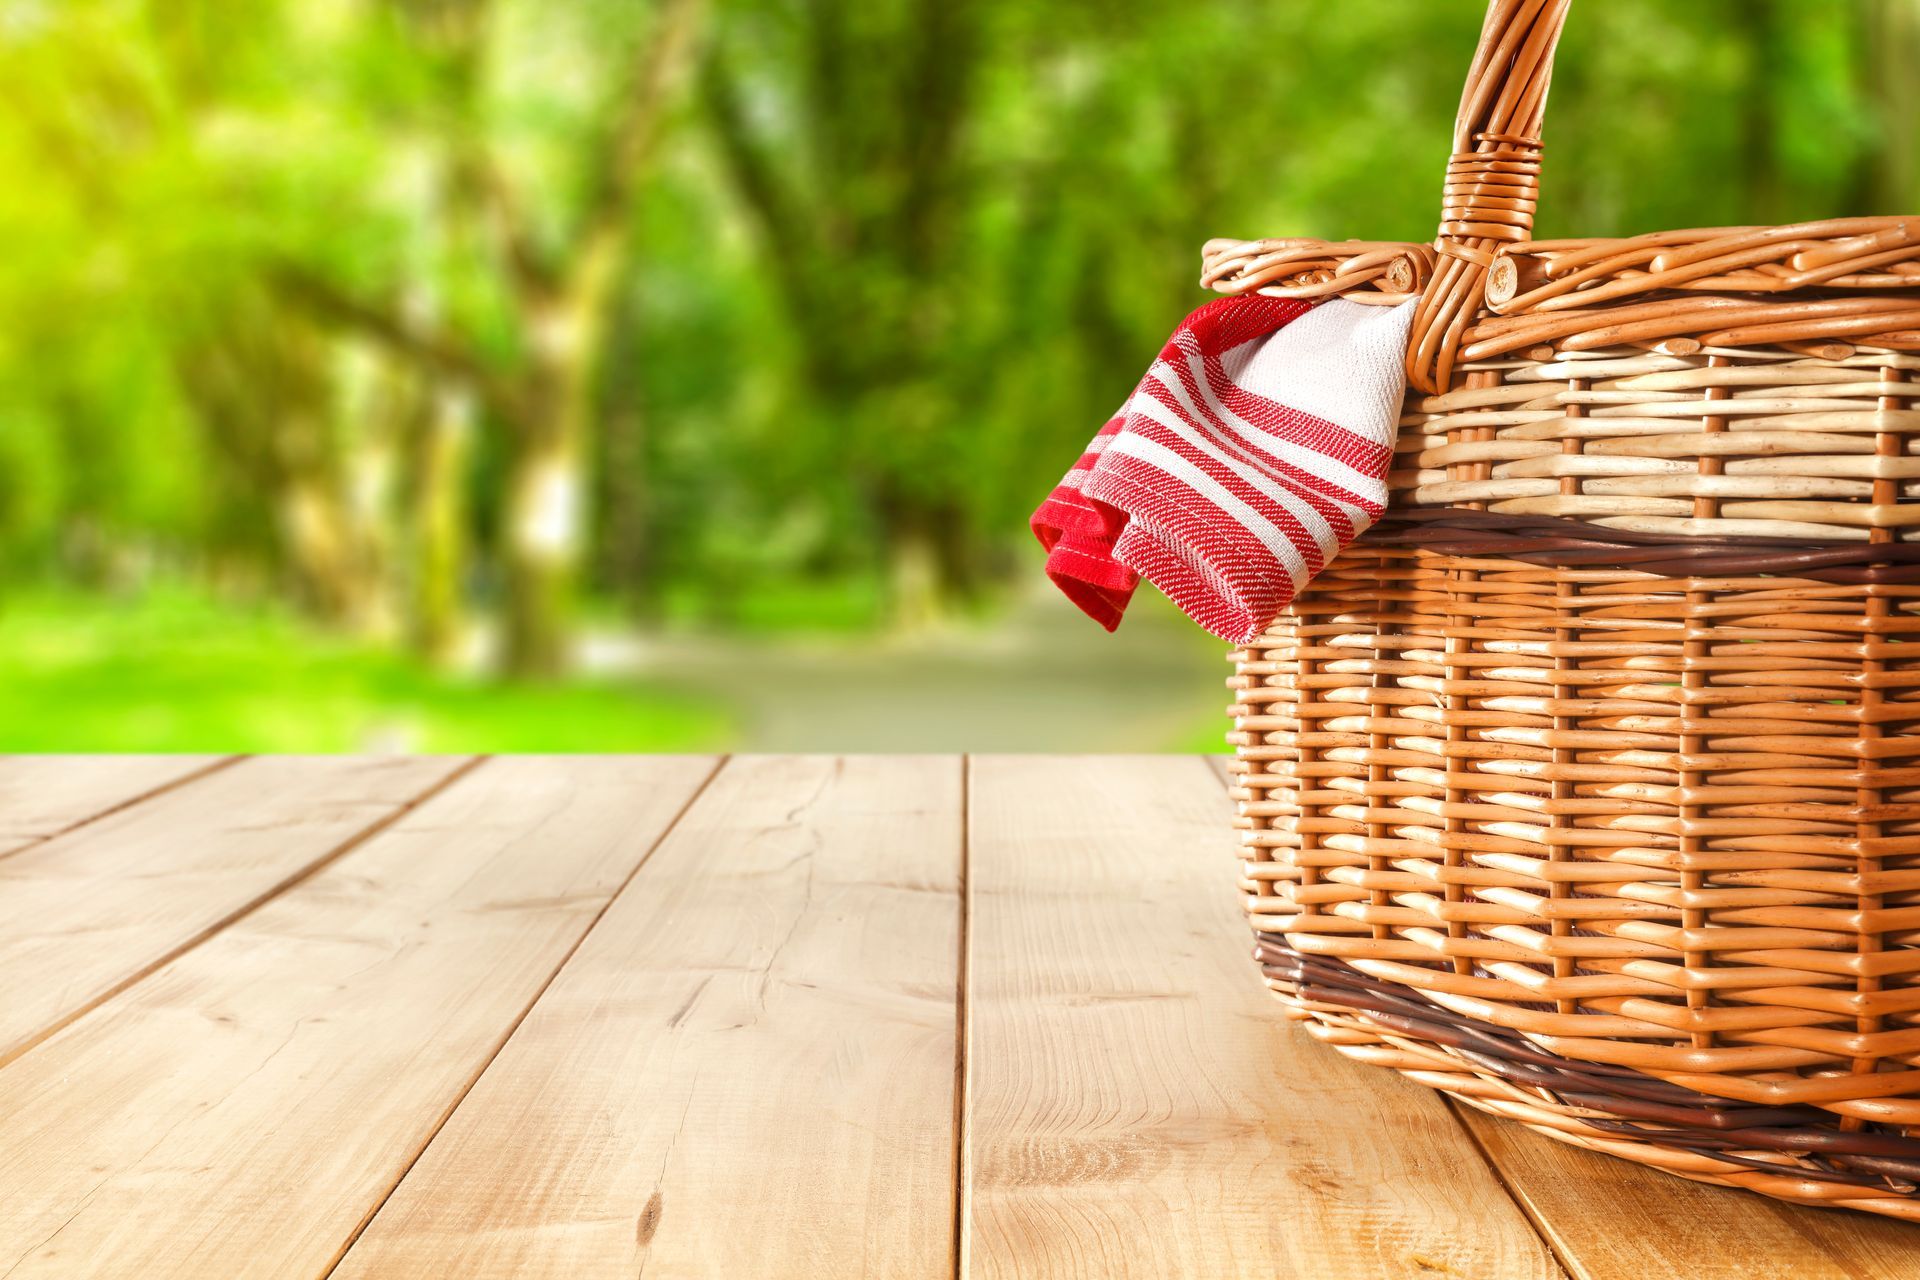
(810, 1017)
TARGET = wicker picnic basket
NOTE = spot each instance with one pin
(1586, 786)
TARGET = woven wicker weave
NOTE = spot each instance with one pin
(1585, 787)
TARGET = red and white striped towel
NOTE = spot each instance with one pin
(1255, 449)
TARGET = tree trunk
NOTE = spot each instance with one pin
(1892, 42)
(260, 388)
(1760, 126)
(915, 601)
(437, 517)
(918, 560)
(323, 548)
(621, 552)
(547, 492)
(541, 548)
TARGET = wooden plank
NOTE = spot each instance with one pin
(1135, 1104)
(245, 1109)
(746, 1070)
(84, 913)
(1610, 1219)
(42, 796)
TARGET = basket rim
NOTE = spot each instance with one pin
(1834, 285)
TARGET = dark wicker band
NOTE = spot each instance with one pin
(1562, 543)
(1647, 1109)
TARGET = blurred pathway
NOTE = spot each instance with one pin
(1039, 678)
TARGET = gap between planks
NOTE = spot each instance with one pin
(963, 980)
(1880, 1240)
(1613, 1219)
(111, 804)
(1569, 1260)
(441, 1204)
(739, 1070)
(10, 1052)
(513, 1028)
(268, 1086)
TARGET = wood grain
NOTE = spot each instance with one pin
(746, 1070)
(246, 1108)
(747, 1065)
(1611, 1219)
(1136, 1106)
(85, 912)
(42, 796)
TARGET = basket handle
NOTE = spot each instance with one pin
(1493, 176)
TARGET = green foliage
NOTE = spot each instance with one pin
(284, 275)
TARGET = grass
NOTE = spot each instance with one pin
(1207, 737)
(172, 667)
(169, 670)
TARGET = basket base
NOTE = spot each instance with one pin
(1799, 1154)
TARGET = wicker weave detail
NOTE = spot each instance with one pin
(1759, 442)
(1794, 1152)
(1662, 824)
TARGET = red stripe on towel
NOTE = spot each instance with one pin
(1215, 488)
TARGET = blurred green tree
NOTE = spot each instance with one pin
(422, 312)
(554, 272)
